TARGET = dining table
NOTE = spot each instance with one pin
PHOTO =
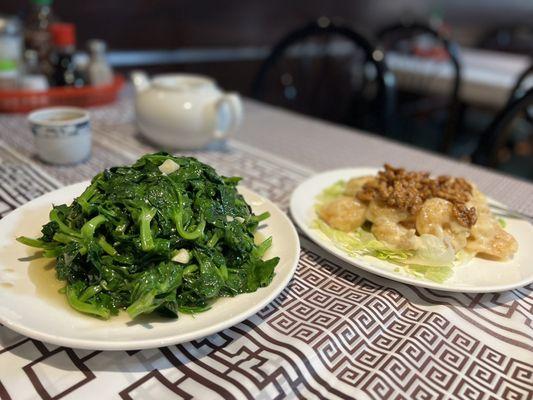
(487, 76)
(335, 332)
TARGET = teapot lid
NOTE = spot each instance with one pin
(182, 82)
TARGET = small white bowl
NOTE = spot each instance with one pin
(62, 135)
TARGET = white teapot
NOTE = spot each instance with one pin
(184, 111)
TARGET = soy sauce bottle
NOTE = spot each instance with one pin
(64, 72)
(37, 29)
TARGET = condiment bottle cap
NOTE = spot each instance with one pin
(63, 34)
(42, 2)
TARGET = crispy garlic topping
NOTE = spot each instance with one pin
(408, 190)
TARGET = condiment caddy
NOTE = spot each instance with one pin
(19, 101)
(40, 65)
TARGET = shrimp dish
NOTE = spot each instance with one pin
(413, 219)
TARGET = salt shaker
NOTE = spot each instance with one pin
(100, 72)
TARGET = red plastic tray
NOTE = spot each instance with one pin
(19, 101)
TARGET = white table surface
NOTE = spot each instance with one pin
(488, 76)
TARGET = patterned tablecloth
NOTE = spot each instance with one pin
(334, 332)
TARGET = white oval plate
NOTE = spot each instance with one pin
(476, 276)
(31, 305)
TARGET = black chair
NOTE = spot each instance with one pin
(329, 71)
(400, 38)
(519, 89)
(496, 135)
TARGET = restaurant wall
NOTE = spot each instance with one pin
(140, 24)
(136, 24)
(133, 26)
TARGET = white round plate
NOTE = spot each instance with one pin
(31, 305)
(476, 276)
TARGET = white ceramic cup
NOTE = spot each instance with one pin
(36, 83)
(62, 135)
(184, 111)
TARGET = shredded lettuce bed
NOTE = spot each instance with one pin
(433, 260)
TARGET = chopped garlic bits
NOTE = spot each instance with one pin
(169, 166)
(182, 257)
(240, 220)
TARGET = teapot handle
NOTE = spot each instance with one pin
(234, 104)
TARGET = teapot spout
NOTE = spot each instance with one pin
(140, 80)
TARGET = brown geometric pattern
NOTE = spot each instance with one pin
(69, 370)
(385, 344)
(20, 181)
(334, 332)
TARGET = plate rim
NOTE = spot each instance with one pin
(140, 344)
(357, 262)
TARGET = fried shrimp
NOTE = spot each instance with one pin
(354, 185)
(409, 210)
(389, 225)
(394, 234)
(345, 213)
(487, 238)
(436, 217)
